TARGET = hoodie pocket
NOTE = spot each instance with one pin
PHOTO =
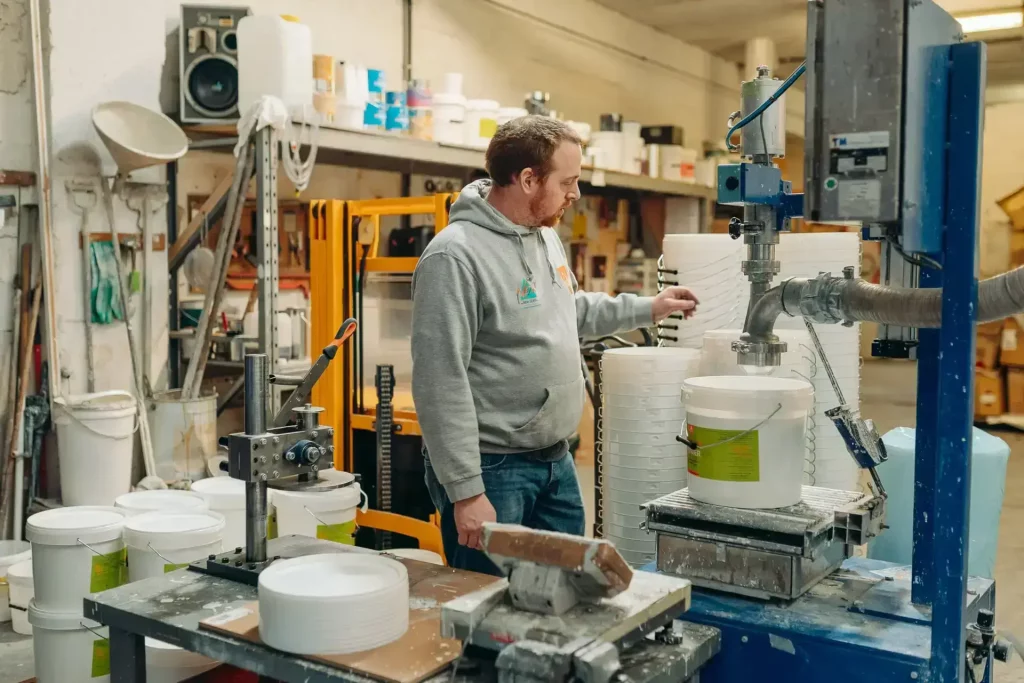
(557, 418)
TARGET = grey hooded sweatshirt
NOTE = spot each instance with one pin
(495, 340)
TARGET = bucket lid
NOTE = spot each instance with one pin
(449, 98)
(160, 499)
(741, 392)
(59, 621)
(21, 570)
(68, 526)
(337, 476)
(102, 401)
(166, 530)
(344, 498)
(222, 493)
(13, 552)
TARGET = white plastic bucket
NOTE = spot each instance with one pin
(449, 118)
(138, 502)
(184, 434)
(481, 122)
(330, 515)
(226, 495)
(166, 663)
(162, 542)
(11, 553)
(68, 648)
(75, 551)
(19, 580)
(95, 444)
(751, 432)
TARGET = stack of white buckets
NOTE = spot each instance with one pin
(640, 456)
(86, 549)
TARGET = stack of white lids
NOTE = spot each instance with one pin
(333, 604)
(709, 265)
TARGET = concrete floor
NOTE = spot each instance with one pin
(888, 397)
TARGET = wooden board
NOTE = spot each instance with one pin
(417, 655)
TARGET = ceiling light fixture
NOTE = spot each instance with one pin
(992, 21)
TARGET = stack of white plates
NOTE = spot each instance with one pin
(640, 457)
(710, 266)
(333, 604)
(806, 255)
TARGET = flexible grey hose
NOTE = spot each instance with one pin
(998, 297)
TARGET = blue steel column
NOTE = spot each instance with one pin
(956, 361)
(922, 564)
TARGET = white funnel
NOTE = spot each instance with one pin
(138, 137)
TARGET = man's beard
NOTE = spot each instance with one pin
(549, 221)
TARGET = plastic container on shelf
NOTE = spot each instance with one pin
(275, 57)
(481, 122)
(95, 445)
(751, 437)
(628, 449)
(638, 462)
(449, 118)
(608, 149)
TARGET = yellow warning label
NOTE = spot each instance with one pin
(100, 658)
(488, 127)
(339, 533)
(724, 455)
(109, 571)
(168, 568)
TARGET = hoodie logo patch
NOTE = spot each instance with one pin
(527, 295)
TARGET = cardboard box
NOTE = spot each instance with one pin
(1013, 206)
(986, 352)
(992, 329)
(1011, 351)
(1017, 248)
(1015, 392)
(989, 394)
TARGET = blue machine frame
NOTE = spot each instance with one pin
(912, 625)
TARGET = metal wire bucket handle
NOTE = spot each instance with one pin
(692, 445)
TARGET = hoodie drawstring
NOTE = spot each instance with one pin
(522, 257)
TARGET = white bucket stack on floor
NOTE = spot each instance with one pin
(750, 432)
(718, 359)
(75, 551)
(11, 553)
(640, 456)
(19, 581)
(710, 266)
(805, 255)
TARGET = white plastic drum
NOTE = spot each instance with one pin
(68, 648)
(19, 579)
(226, 495)
(11, 553)
(161, 542)
(76, 551)
(333, 604)
(94, 439)
(751, 437)
(137, 502)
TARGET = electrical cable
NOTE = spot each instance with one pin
(921, 261)
(763, 106)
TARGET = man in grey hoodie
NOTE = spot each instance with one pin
(497, 319)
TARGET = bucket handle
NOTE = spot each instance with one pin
(99, 433)
(97, 552)
(150, 546)
(90, 628)
(694, 446)
(363, 508)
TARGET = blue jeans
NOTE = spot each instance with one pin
(536, 494)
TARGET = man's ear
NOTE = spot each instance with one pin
(528, 181)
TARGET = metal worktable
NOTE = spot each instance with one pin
(169, 608)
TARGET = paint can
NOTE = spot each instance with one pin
(95, 444)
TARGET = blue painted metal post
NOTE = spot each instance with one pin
(956, 361)
(923, 559)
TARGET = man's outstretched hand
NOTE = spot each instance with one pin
(674, 300)
(470, 516)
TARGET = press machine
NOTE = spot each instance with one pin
(894, 112)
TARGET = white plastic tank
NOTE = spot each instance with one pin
(275, 58)
(989, 455)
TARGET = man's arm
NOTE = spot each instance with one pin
(598, 314)
(445, 321)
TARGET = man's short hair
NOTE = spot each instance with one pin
(526, 142)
